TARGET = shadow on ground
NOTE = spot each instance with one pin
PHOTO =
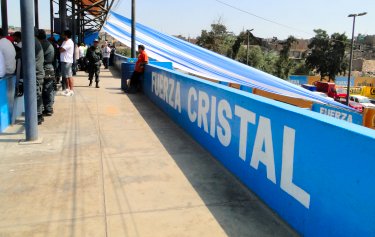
(236, 209)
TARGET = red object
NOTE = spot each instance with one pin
(10, 38)
(340, 94)
(326, 87)
(142, 59)
(356, 106)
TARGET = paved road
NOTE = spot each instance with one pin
(114, 165)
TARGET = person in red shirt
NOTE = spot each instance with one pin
(139, 70)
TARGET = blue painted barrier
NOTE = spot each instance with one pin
(118, 60)
(315, 171)
(4, 106)
(338, 113)
(298, 80)
(225, 83)
(127, 70)
(10, 107)
(343, 81)
(309, 87)
(246, 88)
(126, 65)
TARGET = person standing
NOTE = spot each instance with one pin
(39, 69)
(139, 70)
(48, 93)
(9, 53)
(94, 55)
(82, 59)
(112, 56)
(106, 54)
(66, 61)
(17, 36)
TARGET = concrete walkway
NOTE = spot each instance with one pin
(113, 164)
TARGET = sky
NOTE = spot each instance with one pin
(268, 18)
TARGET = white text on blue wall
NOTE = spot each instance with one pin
(215, 116)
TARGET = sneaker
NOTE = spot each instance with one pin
(66, 92)
(71, 93)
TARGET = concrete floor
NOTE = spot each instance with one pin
(113, 164)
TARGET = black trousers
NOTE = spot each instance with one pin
(105, 62)
(135, 80)
(94, 70)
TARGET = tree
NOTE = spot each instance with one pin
(243, 37)
(237, 44)
(317, 59)
(336, 55)
(300, 68)
(284, 65)
(327, 55)
(218, 39)
(262, 60)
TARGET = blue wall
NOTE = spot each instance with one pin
(298, 80)
(316, 172)
(10, 107)
(343, 81)
(4, 107)
(118, 60)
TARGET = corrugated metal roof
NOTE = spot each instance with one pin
(97, 9)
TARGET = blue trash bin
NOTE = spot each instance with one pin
(127, 70)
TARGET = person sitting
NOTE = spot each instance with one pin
(139, 70)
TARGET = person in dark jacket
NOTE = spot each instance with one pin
(94, 55)
(39, 68)
(48, 93)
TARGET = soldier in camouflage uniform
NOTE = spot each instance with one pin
(48, 93)
(94, 56)
(39, 64)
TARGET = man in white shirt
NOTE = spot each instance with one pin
(9, 53)
(82, 55)
(106, 54)
(66, 60)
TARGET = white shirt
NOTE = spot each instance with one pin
(77, 52)
(9, 54)
(106, 52)
(2, 66)
(81, 51)
(67, 55)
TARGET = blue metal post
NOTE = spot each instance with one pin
(28, 61)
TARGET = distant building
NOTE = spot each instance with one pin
(190, 40)
(299, 49)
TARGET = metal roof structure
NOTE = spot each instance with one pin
(89, 15)
(94, 12)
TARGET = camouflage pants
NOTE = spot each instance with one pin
(94, 70)
(48, 94)
(39, 98)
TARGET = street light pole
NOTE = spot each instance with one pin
(351, 55)
(133, 50)
(248, 46)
